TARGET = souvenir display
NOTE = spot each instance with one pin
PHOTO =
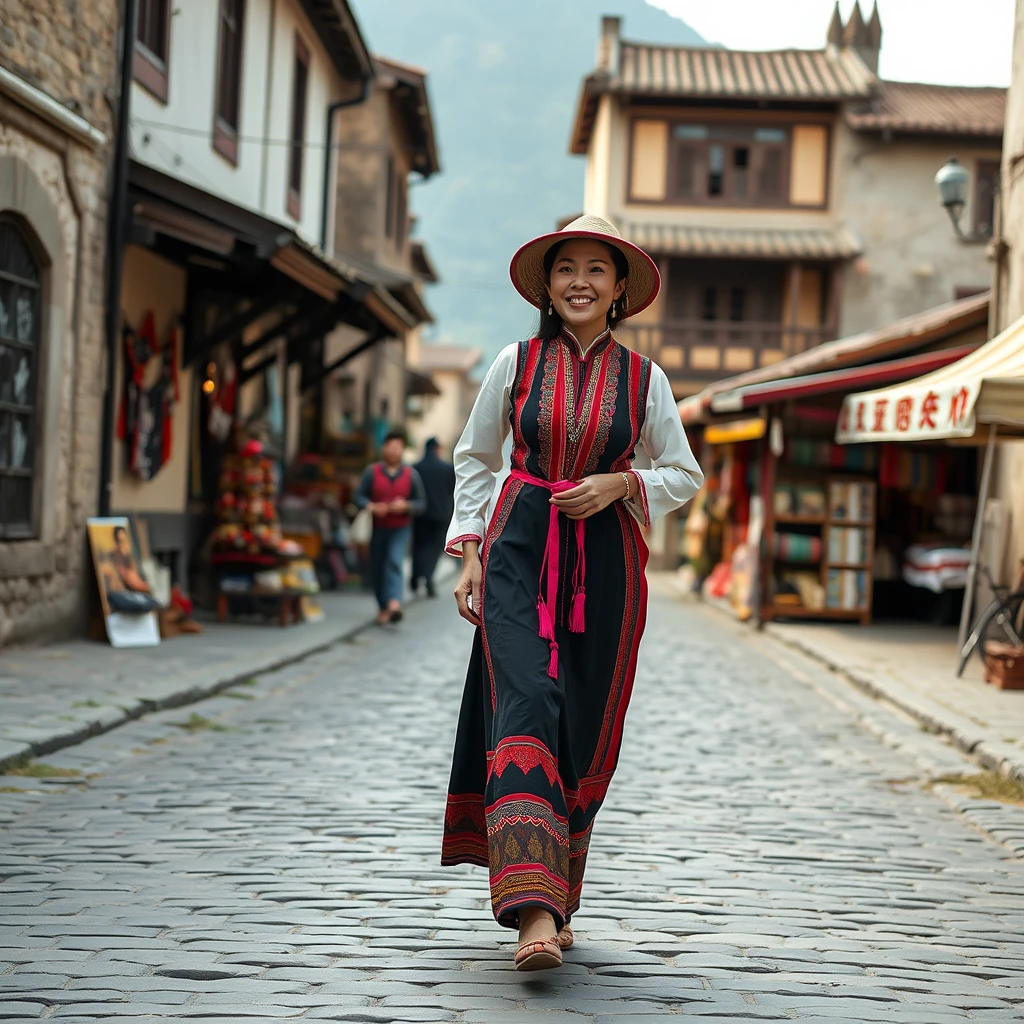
(247, 520)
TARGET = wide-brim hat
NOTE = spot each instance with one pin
(643, 282)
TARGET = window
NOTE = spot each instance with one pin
(229, 79)
(300, 82)
(985, 187)
(152, 46)
(729, 165)
(20, 306)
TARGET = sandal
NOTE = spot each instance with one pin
(538, 955)
(565, 938)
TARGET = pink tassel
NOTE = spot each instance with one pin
(553, 663)
(577, 618)
(547, 625)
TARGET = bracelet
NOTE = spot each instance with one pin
(625, 480)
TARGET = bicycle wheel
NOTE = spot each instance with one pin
(1001, 620)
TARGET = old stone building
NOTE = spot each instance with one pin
(58, 86)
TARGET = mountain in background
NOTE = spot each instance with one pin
(503, 81)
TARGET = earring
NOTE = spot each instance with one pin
(551, 308)
(615, 309)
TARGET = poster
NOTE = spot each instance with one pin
(129, 609)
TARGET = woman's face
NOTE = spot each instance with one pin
(582, 283)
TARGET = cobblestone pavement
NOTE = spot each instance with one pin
(272, 853)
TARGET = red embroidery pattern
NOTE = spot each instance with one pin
(551, 426)
(634, 616)
(464, 840)
(528, 845)
(612, 362)
(526, 753)
(528, 359)
(591, 789)
(453, 546)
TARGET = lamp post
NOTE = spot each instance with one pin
(952, 179)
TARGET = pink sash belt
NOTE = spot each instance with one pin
(547, 596)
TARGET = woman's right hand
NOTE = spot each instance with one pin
(467, 590)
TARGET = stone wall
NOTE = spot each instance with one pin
(54, 181)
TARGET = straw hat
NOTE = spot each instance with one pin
(643, 281)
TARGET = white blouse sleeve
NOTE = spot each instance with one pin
(477, 456)
(674, 476)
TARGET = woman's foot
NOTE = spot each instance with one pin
(566, 938)
(394, 611)
(383, 617)
(538, 942)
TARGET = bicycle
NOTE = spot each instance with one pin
(1002, 620)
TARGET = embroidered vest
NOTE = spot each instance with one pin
(386, 489)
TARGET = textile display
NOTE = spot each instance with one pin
(145, 420)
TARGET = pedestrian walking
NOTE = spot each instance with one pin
(555, 583)
(393, 492)
(429, 529)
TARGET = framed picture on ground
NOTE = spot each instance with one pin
(129, 609)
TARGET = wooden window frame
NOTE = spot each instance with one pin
(298, 129)
(709, 119)
(992, 166)
(703, 146)
(152, 70)
(225, 134)
(36, 469)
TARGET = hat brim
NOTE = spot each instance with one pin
(643, 282)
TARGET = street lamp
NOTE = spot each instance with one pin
(952, 179)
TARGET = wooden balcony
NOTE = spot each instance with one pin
(700, 351)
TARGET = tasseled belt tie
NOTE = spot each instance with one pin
(547, 596)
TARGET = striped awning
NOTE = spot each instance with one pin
(753, 243)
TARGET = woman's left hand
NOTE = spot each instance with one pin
(590, 495)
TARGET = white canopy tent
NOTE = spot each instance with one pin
(985, 387)
(983, 390)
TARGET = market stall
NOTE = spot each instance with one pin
(977, 399)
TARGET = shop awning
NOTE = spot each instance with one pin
(835, 380)
(893, 340)
(986, 386)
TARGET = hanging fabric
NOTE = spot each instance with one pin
(145, 422)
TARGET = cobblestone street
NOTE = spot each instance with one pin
(767, 852)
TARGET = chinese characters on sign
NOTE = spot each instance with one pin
(916, 414)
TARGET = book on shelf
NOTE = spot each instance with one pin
(851, 501)
(847, 589)
(848, 544)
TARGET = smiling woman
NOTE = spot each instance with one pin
(555, 584)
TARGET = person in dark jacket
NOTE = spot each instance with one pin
(394, 494)
(429, 529)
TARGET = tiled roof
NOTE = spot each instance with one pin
(449, 357)
(777, 74)
(666, 72)
(807, 243)
(935, 109)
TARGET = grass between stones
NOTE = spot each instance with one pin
(37, 770)
(195, 722)
(986, 785)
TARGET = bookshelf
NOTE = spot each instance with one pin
(827, 529)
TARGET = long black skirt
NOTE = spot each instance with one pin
(534, 755)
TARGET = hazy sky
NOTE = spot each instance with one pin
(953, 42)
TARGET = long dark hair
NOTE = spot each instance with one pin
(550, 325)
